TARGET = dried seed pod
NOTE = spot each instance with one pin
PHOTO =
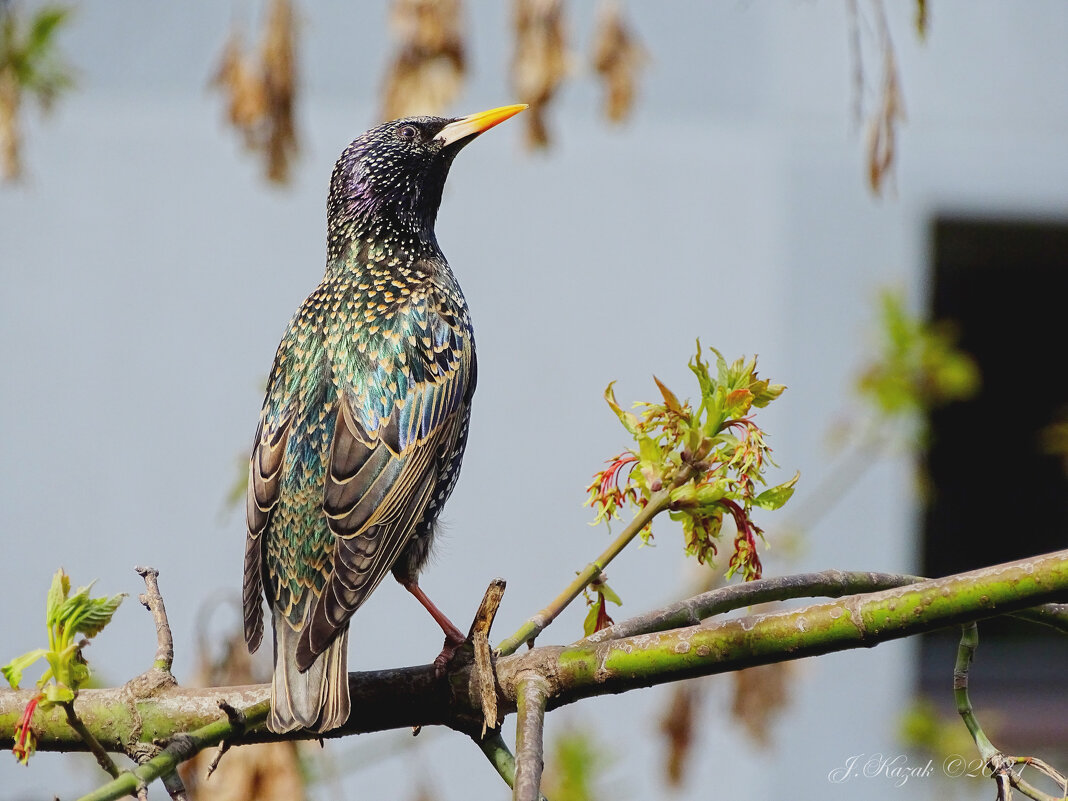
(279, 80)
(677, 725)
(882, 124)
(618, 58)
(760, 694)
(428, 69)
(541, 61)
(261, 90)
(238, 78)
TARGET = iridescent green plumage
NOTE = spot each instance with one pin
(365, 419)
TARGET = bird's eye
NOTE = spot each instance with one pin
(407, 132)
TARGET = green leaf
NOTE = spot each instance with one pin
(589, 625)
(56, 694)
(738, 402)
(775, 497)
(670, 401)
(57, 594)
(44, 25)
(13, 670)
(629, 421)
(709, 494)
(764, 393)
(608, 593)
(97, 613)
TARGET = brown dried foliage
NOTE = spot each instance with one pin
(677, 725)
(760, 694)
(889, 110)
(428, 69)
(618, 58)
(260, 88)
(541, 61)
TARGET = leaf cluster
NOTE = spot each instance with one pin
(66, 616)
(919, 367)
(29, 52)
(710, 457)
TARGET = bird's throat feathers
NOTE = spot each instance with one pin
(382, 216)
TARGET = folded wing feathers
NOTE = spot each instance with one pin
(264, 472)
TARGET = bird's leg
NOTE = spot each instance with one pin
(454, 638)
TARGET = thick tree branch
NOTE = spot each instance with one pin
(828, 584)
(122, 718)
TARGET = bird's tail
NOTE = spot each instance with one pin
(318, 698)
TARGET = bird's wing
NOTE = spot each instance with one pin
(264, 474)
(383, 472)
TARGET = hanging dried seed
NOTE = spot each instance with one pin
(760, 695)
(618, 57)
(279, 80)
(238, 78)
(882, 123)
(677, 725)
(261, 90)
(541, 61)
(428, 69)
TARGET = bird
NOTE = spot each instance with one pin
(365, 418)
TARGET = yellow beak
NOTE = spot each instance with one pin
(474, 124)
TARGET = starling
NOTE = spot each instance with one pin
(365, 419)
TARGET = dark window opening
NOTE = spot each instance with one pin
(995, 495)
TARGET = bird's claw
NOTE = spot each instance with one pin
(448, 651)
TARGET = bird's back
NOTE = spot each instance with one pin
(387, 353)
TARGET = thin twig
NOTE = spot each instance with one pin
(658, 502)
(1000, 765)
(103, 758)
(153, 602)
(828, 583)
(238, 722)
(529, 737)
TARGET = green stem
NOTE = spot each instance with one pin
(182, 747)
(969, 641)
(658, 502)
(1000, 764)
(499, 755)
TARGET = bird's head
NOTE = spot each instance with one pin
(388, 181)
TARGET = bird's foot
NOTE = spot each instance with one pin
(448, 651)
